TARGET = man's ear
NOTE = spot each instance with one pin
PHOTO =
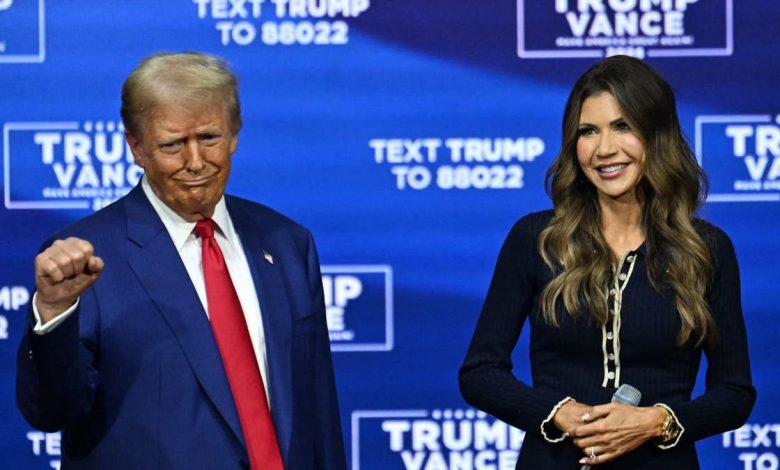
(135, 147)
(234, 144)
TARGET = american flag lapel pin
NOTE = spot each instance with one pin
(267, 257)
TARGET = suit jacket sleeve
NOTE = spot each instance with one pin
(329, 445)
(56, 380)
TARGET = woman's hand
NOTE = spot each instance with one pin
(609, 431)
(569, 416)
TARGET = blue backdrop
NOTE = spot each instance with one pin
(408, 136)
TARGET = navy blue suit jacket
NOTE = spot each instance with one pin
(134, 377)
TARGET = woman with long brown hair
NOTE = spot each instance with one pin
(621, 284)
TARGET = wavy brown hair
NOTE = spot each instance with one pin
(673, 186)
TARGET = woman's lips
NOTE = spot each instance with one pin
(612, 170)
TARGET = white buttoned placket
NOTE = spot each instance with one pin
(610, 331)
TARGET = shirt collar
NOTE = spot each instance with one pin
(180, 229)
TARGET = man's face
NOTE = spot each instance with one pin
(185, 153)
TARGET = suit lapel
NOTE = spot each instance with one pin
(160, 270)
(275, 312)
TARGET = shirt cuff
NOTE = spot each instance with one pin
(548, 426)
(40, 328)
(669, 445)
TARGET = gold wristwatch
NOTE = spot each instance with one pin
(670, 429)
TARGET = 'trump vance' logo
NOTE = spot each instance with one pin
(359, 307)
(433, 440)
(640, 28)
(12, 298)
(22, 31)
(66, 165)
(741, 156)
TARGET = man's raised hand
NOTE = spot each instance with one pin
(62, 272)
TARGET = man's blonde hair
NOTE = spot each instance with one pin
(189, 78)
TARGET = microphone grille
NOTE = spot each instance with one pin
(628, 395)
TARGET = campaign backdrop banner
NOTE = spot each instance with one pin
(408, 136)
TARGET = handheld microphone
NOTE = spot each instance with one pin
(626, 395)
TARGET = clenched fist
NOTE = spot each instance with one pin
(62, 272)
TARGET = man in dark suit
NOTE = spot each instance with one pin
(165, 326)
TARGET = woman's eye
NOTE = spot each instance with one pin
(583, 131)
(622, 126)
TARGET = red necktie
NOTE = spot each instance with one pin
(238, 356)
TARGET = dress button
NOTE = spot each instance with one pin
(630, 259)
(622, 276)
(611, 357)
(611, 375)
(609, 335)
(612, 292)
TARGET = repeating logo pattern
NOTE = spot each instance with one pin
(457, 163)
(359, 307)
(641, 28)
(758, 445)
(66, 165)
(741, 155)
(281, 22)
(22, 31)
(433, 439)
(12, 299)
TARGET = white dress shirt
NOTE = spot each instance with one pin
(189, 248)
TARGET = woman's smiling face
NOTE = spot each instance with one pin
(609, 152)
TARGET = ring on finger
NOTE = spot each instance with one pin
(593, 453)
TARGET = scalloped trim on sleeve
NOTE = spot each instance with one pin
(548, 421)
(674, 417)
